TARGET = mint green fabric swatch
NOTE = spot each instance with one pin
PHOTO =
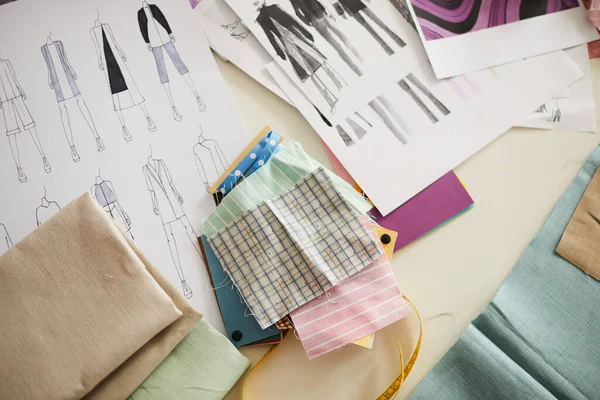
(539, 337)
(281, 173)
(204, 365)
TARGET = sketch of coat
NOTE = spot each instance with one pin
(60, 73)
(124, 91)
(5, 240)
(153, 34)
(160, 182)
(105, 196)
(293, 41)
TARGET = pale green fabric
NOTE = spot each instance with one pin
(205, 365)
(539, 338)
(281, 173)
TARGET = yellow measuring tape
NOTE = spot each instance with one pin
(392, 390)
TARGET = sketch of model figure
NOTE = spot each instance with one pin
(112, 60)
(413, 80)
(5, 240)
(61, 79)
(210, 160)
(294, 43)
(237, 29)
(354, 8)
(314, 14)
(166, 203)
(15, 111)
(158, 35)
(104, 193)
(46, 209)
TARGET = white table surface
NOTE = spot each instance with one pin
(450, 275)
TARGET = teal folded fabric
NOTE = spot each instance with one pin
(539, 337)
(204, 365)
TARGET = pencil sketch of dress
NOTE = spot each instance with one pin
(112, 60)
(61, 79)
(158, 35)
(104, 193)
(5, 240)
(294, 43)
(166, 203)
(237, 29)
(210, 160)
(356, 9)
(15, 112)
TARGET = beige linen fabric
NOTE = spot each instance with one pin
(76, 302)
(580, 243)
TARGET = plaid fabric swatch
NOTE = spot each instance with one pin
(359, 306)
(288, 250)
(281, 173)
(284, 324)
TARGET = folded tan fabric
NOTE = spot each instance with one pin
(580, 243)
(125, 379)
(76, 301)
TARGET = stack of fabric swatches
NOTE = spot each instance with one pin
(86, 315)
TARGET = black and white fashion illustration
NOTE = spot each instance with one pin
(166, 203)
(210, 160)
(112, 60)
(17, 117)
(5, 240)
(46, 209)
(413, 86)
(61, 79)
(358, 10)
(104, 193)
(158, 35)
(294, 43)
(237, 29)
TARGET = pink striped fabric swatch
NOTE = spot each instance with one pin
(362, 304)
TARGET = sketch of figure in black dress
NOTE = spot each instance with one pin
(356, 9)
(237, 29)
(5, 240)
(104, 193)
(407, 85)
(158, 35)
(166, 203)
(17, 117)
(46, 209)
(61, 79)
(112, 60)
(292, 42)
(210, 160)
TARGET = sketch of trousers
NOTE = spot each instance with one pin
(172, 232)
(159, 57)
(415, 97)
(329, 31)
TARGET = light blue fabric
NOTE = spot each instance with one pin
(539, 338)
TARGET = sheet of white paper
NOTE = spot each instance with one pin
(229, 37)
(339, 61)
(574, 112)
(118, 176)
(479, 107)
(479, 47)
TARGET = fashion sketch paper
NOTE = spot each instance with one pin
(574, 112)
(462, 36)
(229, 36)
(341, 54)
(451, 120)
(122, 99)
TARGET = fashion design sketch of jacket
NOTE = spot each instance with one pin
(61, 79)
(15, 111)
(210, 160)
(292, 42)
(158, 35)
(166, 203)
(104, 193)
(112, 60)
(5, 240)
